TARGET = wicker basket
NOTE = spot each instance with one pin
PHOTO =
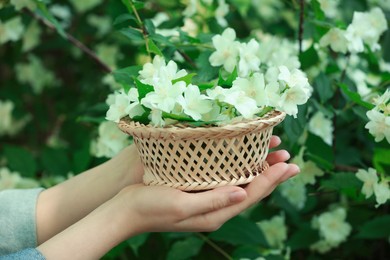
(200, 158)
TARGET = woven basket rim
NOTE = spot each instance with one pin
(181, 131)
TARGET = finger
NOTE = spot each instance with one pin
(275, 141)
(203, 202)
(291, 172)
(278, 156)
(259, 188)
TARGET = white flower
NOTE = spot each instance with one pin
(226, 50)
(220, 13)
(355, 41)
(379, 125)
(27, 73)
(366, 27)
(332, 226)
(193, 103)
(190, 27)
(20, 4)
(369, 179)
(158, 72)
(110, 141)
(322, 127)
(272, 93)
(359, 77)
(245, 105)
(294, 191)
(103, 24)
(32, 36)
(13, 180)
(290, 100)
(382, 192)
(124, 105)
(156, 119)
(11, 30)
(382, 102)
(274, 230)
(8, 179)
(191, 8)
(6, 108)
(309, 170)
(248, 61)
(85, 5)
(108, 54)
(292, 78)
(330, 7)
(335, 38)
(254, 87)
(165, 96)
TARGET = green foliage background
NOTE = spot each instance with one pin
(66, 113)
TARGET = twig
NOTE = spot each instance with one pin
(215, 246)
(145, 33)
(301, 21)
(74, 41)
(187, 58)
(346, 168)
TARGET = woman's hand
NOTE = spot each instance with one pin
(157, 208)
(138, 208)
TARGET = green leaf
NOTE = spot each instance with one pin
(161, 39)
(323, 87)
(341, 181)
(81, 158)
(242, 6)
(381, 156)
(132, 34)
(20, 160)
(56, 161)
(228, 82)
(126, 75)
(149, 26)
(137, 241)
(239, 231)
(294, 127)
(124, 18)
(317, 148)
(379, 227)
(206, 72)
(309, 58)
(355, 97)
(137, 5)
(177, 117)
(143, 89)
(187, 78)
(205, 86)
(185, 249)
(154, 49)
(43, 11)
(319, 14)
(302, 238)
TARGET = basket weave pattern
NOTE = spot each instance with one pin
(199, 158)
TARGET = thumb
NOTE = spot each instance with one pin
(208, 201)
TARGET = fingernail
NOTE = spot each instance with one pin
(237, 196)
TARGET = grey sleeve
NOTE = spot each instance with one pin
(25, 254)
(18, 220)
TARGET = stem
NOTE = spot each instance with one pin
(301, 21)
(145, 33)
(215, 246)
(74, 41)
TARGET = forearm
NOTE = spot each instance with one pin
(91, 237)
(68, 202)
